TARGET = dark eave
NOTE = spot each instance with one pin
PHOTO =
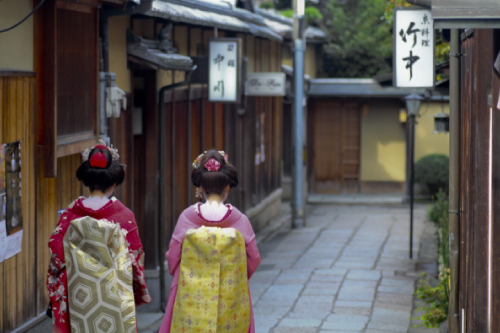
(208, 13)
(465, 14)
(284, 26)
(147, 54)
(363, 88)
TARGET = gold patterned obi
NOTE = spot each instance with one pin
(212, 294)
(99, 269)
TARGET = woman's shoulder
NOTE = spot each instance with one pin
(190, 211)
(120, 207)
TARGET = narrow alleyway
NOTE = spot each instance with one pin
(346, 271)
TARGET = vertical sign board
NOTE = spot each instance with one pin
(224, 70)
(414, 60)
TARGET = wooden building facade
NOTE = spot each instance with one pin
(474, 165)
(52, 107)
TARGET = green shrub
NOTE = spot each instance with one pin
(313, 15)
(436, 300)
(439, 209)
(267, 5)
(433, 170)
(287, 13)
(436, 295)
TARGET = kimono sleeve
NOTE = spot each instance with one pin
(253, 257)
(173, 255)
(57, 277)
(141, 293)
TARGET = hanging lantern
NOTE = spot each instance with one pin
(441, 122)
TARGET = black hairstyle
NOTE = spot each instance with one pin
(214, 182)
(101, 178)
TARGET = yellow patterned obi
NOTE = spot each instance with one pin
(212, 294)
(99, 268)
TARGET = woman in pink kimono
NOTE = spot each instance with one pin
(191, 308)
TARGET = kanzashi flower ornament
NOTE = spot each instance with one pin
(197, 161)
(212, 165)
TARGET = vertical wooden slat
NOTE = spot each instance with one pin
(11, 111)
(496, 188)
(219, 126)
(30, 166)
(11, 262)
(50, 89)
(20, 262)
(2, 265)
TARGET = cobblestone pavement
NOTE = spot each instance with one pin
(348, 270)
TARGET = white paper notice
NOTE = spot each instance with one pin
(3, 240)
(14, 243)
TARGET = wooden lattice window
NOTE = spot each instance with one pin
(68, 55)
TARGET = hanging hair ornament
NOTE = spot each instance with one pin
(212, 165)
(197, 161)
(226, 156)
(198, 193)
(102, 145)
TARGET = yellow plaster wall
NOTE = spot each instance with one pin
(196, 45)
(181, 39)
(118, 26)
(426, 142)
(16, 45)
(164, 78)
(383, 146)
(311, 68)
(145, 27)
(383, 141)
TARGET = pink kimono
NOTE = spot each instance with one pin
(191, 219)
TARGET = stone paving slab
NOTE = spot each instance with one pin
(347, 270)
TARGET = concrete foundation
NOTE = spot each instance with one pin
(268, 208)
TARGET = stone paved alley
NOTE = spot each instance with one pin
(346, 271)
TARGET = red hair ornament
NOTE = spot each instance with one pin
(98, 160)
(212, 165)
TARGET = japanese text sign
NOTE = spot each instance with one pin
(413, 48)
(224, 70)
(265, 84)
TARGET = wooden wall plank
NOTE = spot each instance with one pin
(49, 89)
(219, 126)
(20, 260)
(12, 108)
(208, 132)
(30, 216)
(3, 102)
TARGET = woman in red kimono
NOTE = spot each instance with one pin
(101, 173)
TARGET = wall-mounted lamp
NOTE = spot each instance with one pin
(403, 116)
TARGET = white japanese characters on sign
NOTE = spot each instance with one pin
(265, 84)
(414, 48)
(223, 70)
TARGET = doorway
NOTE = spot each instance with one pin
(334, 146)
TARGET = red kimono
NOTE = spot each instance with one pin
(113, 211)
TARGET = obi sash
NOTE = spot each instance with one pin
(99, 269)
(212, 294)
